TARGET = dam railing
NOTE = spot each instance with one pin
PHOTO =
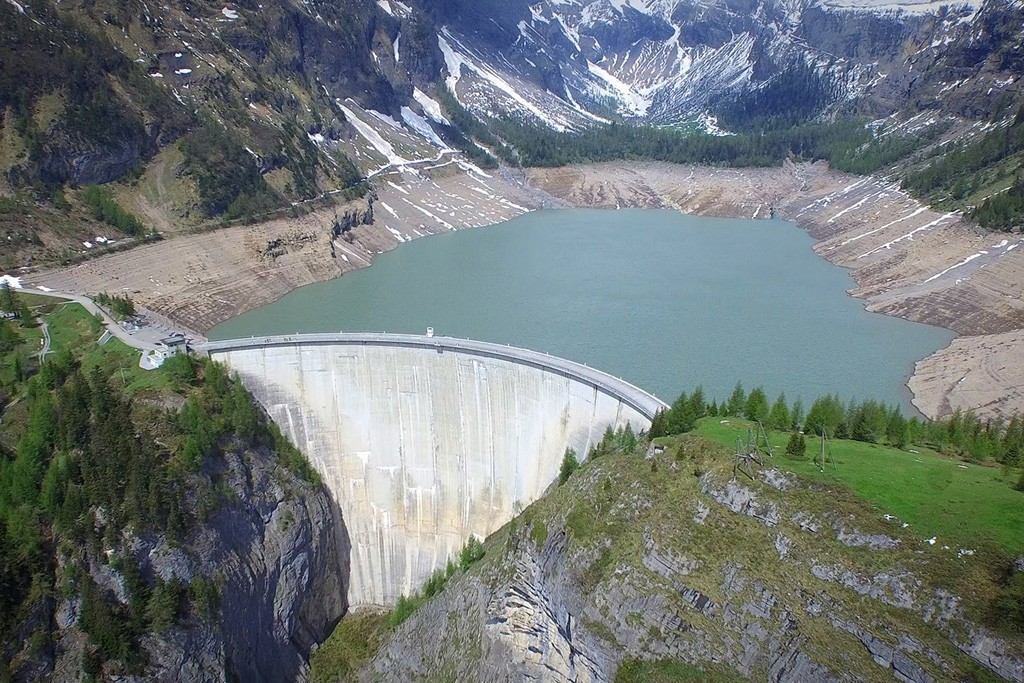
(643, 402)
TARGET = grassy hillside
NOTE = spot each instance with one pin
(960, 503)
(673, 572)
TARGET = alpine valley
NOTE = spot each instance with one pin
(197, 160)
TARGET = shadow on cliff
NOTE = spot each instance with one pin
(284, 565)
(343, 560)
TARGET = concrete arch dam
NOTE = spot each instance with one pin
(424, 441)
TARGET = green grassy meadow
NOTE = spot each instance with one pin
(959, 503)
(73, 328)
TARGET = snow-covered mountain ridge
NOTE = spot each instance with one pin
(317, 96)
(667, 61)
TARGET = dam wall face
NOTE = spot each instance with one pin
(423, 445)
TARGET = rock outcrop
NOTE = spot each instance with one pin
(276, 550)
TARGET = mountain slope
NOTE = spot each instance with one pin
(665, 557)
(668, 61)
(209, 113)
(152, 526)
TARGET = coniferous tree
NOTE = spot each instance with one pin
(778, 417)
(796, 415)
(756, 407)
(628, 439)
(163, 604)
(868, 421)
(569, 465)
(216, 378)
(18, 368)
(25, 315)
(737, 401)
(796, 447)
(696, 405)
(676, 419)
(896, 429)
(244, 416)
(826, 414)
(657, 425)
(1011, 449)
(9, 337)
(8, 299)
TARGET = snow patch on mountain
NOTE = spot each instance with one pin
(493, 91)
(669, 61)
(911, 7)
(452, 62)
(635, 104)
(373, 137)
(430, 106)
(421, 126)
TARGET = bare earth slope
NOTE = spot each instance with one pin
(203, 279)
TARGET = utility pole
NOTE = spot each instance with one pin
(824, 456)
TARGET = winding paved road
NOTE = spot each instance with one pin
(46, 342)
(111, 324)
(637, 398)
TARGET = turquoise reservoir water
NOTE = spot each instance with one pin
(664, 300)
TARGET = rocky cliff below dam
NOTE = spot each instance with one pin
(424, 442)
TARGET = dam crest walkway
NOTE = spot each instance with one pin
(643, 402)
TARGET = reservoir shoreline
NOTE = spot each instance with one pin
(907, 260)
(665, 300)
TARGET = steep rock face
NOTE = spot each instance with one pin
(670, 60)
(528, 623)
(352, 218)
(666, 61)
(77, 159)
(312, 45)
(971, 73)
(283, 557)
(615, 32)
(278, 553)
(492, 20)
(543, 621)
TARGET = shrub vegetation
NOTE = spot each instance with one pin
(105, 208)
